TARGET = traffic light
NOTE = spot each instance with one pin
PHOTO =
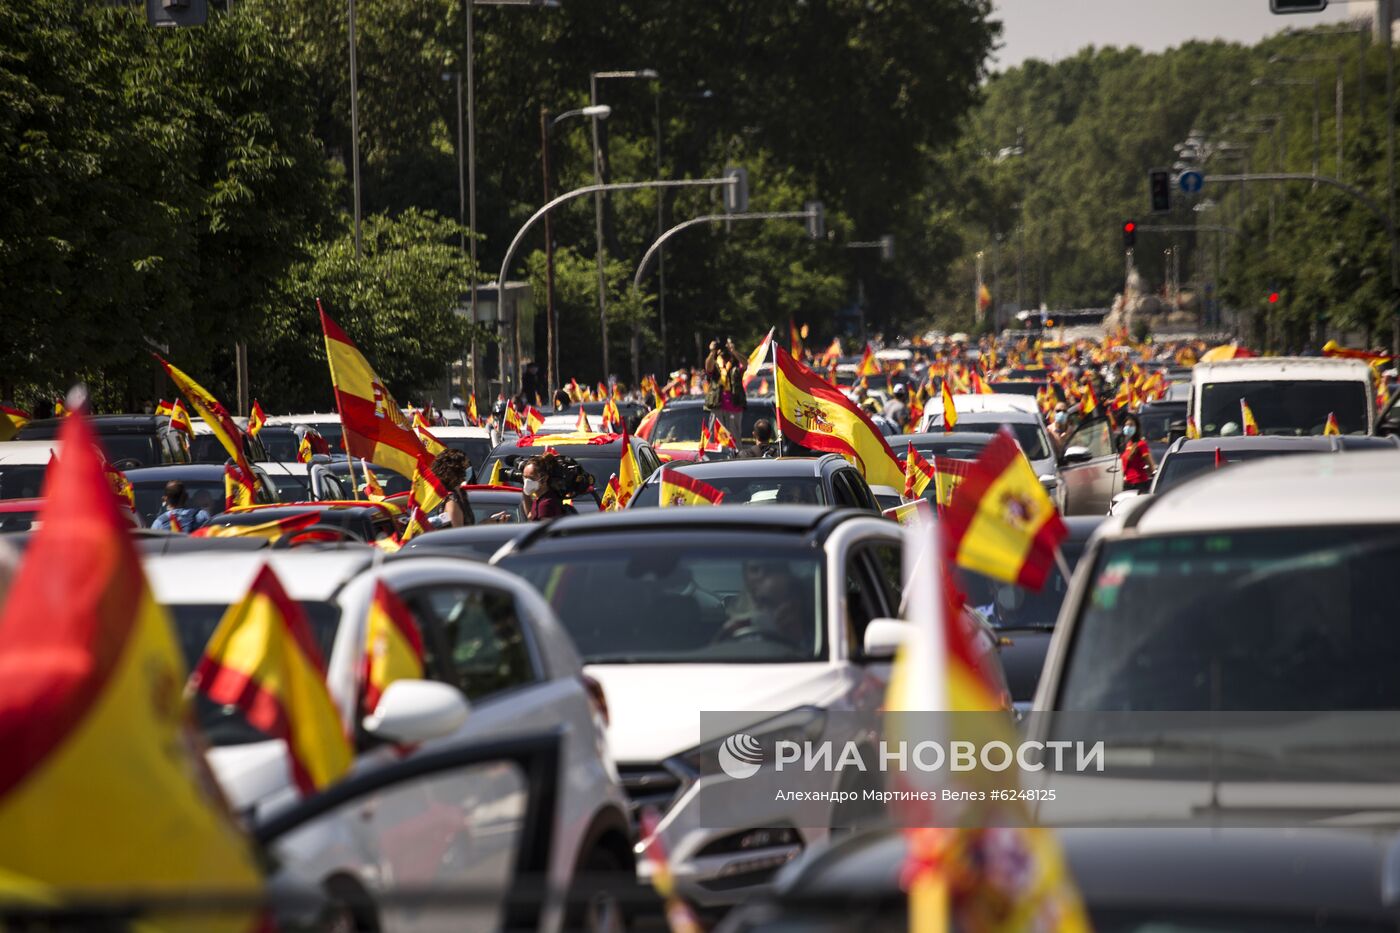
(1159, 188)
(1297, 6)
(1273, 298)
(1129, 234)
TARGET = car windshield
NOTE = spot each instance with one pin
(195, 622)
(1156, 423)
(682, 423)
(747, 490)
(281, 445)
(291, 487)
(947, 451)
(208, 496)
(1007, 605)
(392, 483)
(128, 451)
(684, 603)
(1030, 436)
(22, 480)
(1288, 407)
(1284, 619)
(1180, 466)
(477, 449)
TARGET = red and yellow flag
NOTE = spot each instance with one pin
(374, 426)
(1193, 430)
(534, 419)
(948, 474)
(582, 425)
(257, 419)
(511, 420)
(304, 450)
(430, 443)
(426, 493)
(795, 346)
(679, 489)
(720, 436)
(869, 366)
(1332, 427)
(816, 415)
(180, 419)
(612, 418)
(629, 476)
(950, 411)
(757, 358)
(472, 417)
(918, 473)
(263, 660)
(1091, 400)
(11, 420)
(103, 789)
(373, 491)
(218, 419)
(238, 488)
(1001, 522)
(1249, 427)
(393, 645)
(163, 408)
(271, 530)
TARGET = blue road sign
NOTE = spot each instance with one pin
(1190, 182)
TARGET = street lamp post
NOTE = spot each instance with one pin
(354, 126)
(593, 79)
(1340, 63)
(1317, 111)
(546, 131)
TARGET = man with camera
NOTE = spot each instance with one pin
(724, 389)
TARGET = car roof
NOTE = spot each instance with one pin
(1276, 492)
(693, 401)
(992, 416)
(28, 452)
(1282, 443)
(773, 520)
(305, 418)
(41, 428)
(224, 576)
(454, 430)
(995, 402)
(181, 471)
(1273, 367)
(758, 466)
(953, 438)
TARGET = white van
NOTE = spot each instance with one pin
(1288, 395)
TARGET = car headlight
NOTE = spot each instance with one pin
(803, 724)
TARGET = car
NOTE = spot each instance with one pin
(327, 424)
(128, 441)
(359, 521)
(988, 414)
(1287, 395)
(953, 445)
(566, 419)
(1164, 878)
(473, 542)
(675, 432)
(205, 446)
(315, 481)
(1187, 458)
(1158, 421)
(769, 612)
(489, 501)
(476, 443)
(825, 480)
(350, 477)
(598, 454)
(1023, 618)
(281, 443)
(23, 465)
(498, 665)
(204, 485)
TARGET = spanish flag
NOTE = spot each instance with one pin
(612, 418)
(950, 411)
(103, 789)
(11, 420)
(1090, 401)
(472, 417)
(629, 475)
(163, 408)
(720, 435)
(795, 346)
(218, 419)
(180, 419)
(304, 450)
(271, 530)
(430, 443)
(534, 419)
(511, 421)
(679, 489)
(263, 660)
(1250, 427)
(256, 420)
(818, 416)
(238, 487)
(373, 491)
(426, 493)
(869, 366)
(497, 477)
(1193, 431)
(1001, 522)
(374, 426)
(918, 473)
(948, 474)
(393, 645)
(757, 357)
(582, 425)
(1331, 427)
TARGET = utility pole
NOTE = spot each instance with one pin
(551, 370)
(598, 226)
(354, 127)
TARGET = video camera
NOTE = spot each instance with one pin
(569, 478)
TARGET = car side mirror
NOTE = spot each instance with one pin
(412, 711)
(883, 638)
(1076, 454)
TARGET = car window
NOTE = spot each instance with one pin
(480, 645)
(841, 491)
(761, 490)
(1095, 437)
(863, 600)
(21, 480)
(887, 563)
(1286, 407)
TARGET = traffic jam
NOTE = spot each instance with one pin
(780, 642)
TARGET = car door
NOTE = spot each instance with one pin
(1091, 474)
(474, 639)
(852, 490)
(367, 855)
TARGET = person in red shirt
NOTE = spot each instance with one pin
(1137, 456)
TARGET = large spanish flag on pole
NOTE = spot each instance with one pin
(1001, 522)
(102, 787)
(375, 428)
(817, 415)
(215, 415)
(263, 660)
(393, 645)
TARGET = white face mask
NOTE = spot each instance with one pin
(531, 487)
(1060, 417)
(1129, 430)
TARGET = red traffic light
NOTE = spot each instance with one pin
(1273, 298)
(1129, 227)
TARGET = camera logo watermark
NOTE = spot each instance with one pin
(740, 756)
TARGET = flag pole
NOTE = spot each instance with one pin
(1063, 564)
(777, 395)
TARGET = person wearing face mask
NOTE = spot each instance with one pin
(1137, 456)
(542, 499)
(1058, 426)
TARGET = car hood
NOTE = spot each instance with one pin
(252, 773)
(655, 708)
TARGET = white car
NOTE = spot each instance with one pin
(306, 482)
(23, 465)
(492, 646)
(667, 609)
(327, 423)
(476, 443)
(987, 414)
